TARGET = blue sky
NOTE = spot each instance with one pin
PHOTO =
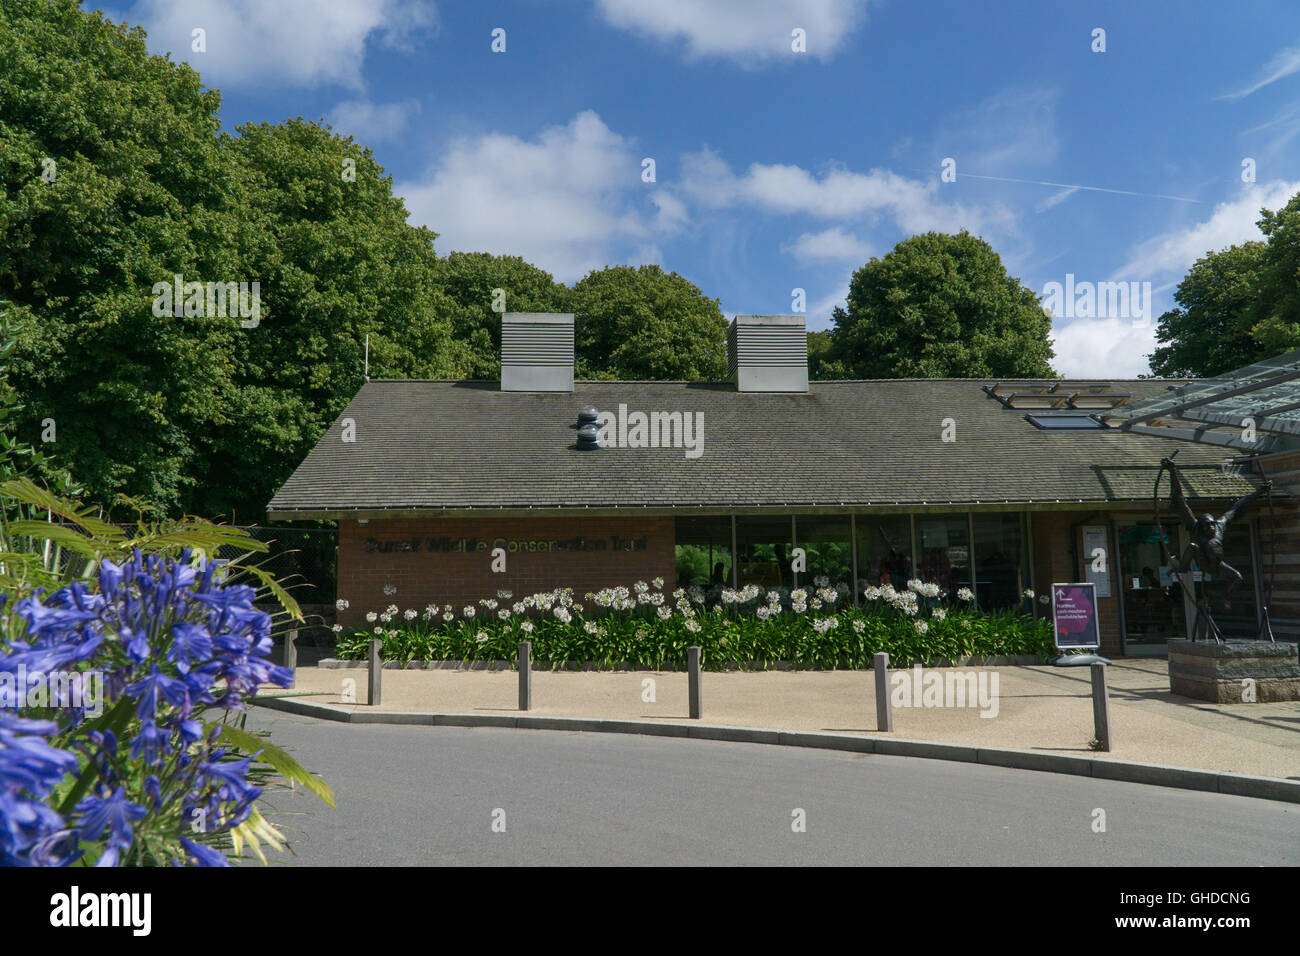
(776, 169)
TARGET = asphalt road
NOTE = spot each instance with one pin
(430, 795)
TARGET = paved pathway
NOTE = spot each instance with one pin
(1037, 708)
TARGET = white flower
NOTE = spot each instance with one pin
(965, 594)
(871, 593)
(562, 615)
(390, 589)
(578, 608)
(526, 627)
(488, 603)
(938, 614)
(859, 626)
(965, 622)
(799, 594)
(430, 613)
(717, 609)
(589, 627)
(664, 613)
(1029, 593)
(657, 599)
(448, 616)
(504, 595)
(386, 616)
(815, 603)
(641, 587)
(1044, 599)
(391, 609)
(410, 613)
(468, 610)
(503, 614)
(822, 581)
(378, 629)
(921, 627)
(392, 633)
(481, 637)
(824, 625)
(371, 616)
(341, 604)
(337, 628)
(763, 613)
(657, 583)
(693, 626)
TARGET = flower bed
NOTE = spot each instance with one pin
(647, 628)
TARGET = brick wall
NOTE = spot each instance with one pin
(423, 576)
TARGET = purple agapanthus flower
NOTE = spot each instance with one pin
(115, 814)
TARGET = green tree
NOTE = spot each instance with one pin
(469, 279)
(1277, 307)
(113, 178)
(941, 306)
(643, 323)
(1209, 332)
(822, 364)
(336, 260)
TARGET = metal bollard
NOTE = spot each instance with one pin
(884, 712)
(375, 692)
(291, 649)
(1100, 706)
(525, 675)
(693, 680)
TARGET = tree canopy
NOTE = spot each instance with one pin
(1237, 305)
(941, 306)
(643, 323)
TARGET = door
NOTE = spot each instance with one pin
(1154, 610)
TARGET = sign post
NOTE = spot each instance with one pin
(1074, 619)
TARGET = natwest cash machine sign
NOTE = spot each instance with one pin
(1074, 614)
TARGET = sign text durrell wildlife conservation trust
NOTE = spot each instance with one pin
(473, 545)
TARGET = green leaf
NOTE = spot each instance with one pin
(281, 761)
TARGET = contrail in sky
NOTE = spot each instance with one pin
(1095, 189)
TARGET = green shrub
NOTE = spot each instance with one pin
(646, 628)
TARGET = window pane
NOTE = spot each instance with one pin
(884, 551)
(1241, 619)
(763, 551)
(826, 539)
(1000, 573)
(703, 551)
(943, 551)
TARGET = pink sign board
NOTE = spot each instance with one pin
(1074, 615)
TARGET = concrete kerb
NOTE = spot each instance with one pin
(1180, 778)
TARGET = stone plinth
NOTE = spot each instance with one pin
(1221, 672)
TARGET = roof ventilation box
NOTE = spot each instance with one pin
(537, 352)
(768, 353)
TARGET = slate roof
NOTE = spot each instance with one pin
(449, 446)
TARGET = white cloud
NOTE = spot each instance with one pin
(372, 123)
(840, 194)
(569, 201)
(1283, 64)
(832, 245)
(1103, 348)
(740, 30)
(1231, 223)
(1054, 200)
(251, 43)
(1011, 129)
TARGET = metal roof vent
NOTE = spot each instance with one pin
(589, 429)
(537, 352)
(768, 353)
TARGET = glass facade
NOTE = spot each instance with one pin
(828, 542)
(943, 551)
(988, 552)
(1001, 561)
(704, 551)
(884, 551)
(763, 550)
